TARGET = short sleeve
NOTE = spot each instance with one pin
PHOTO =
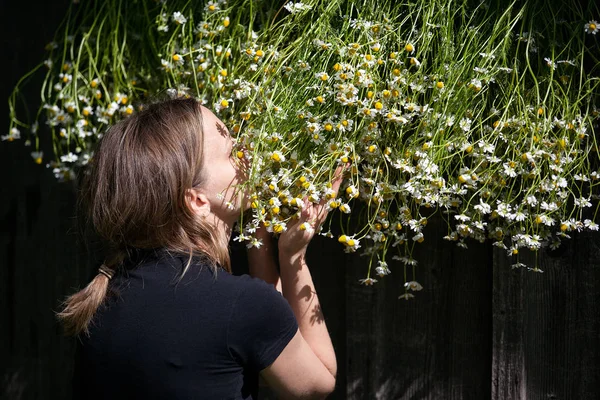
(262, 323)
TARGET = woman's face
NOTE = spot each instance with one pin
(222, 170)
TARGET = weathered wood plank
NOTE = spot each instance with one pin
(325, 259)
(546, 326)
(435, 346)
(37, 254)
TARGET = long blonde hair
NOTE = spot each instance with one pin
(134, 197)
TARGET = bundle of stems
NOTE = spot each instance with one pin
(484, 112)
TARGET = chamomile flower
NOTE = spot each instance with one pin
(368, 281)
(212, 6)
(303, 65)
(223, 104)
(413, 285)
(591, 225)
(277, 156)
(297, 7)
(465, 124)
(475, 84)
(179, 18)
(305, 226)
(177, 59)
(13, 134)
(322, 76)
(352, 192)
(382, 269)
(69, 158)
(37, 156)
(345, 208)
(592, 27)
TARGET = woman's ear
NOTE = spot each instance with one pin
(198, 202)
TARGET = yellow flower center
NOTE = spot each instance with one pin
(409, 47)
(563, 227)
(277, 228)
(224, 103)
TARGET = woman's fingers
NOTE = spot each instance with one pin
(338, 177)
(315, 214)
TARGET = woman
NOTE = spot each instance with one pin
(164, 318)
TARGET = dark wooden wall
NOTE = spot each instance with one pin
(478, 330)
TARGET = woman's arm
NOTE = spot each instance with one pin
(299, 290)
(261, 261)
(297, 284)
(307, 367)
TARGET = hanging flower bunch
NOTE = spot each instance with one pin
(485, 114)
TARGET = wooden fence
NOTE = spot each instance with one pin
(478, 330)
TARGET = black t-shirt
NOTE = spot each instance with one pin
(206, 337)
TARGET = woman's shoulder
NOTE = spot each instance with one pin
(184, 273)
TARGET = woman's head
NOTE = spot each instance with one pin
(162, 178)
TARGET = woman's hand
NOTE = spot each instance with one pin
(294, 241)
